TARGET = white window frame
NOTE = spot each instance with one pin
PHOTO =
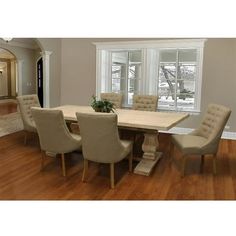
(148, 85)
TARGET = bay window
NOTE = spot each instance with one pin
(170, 69)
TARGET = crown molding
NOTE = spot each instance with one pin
(170, 43)
(13, 43)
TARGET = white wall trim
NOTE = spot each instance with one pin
(98, 72)
(46, 77)
(179, 130)
(19, 68)
(148, 83)
(180, 43)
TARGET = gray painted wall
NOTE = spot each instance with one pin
(73, 73)
(28, 57)
(78, 74)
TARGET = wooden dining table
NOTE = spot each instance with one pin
(150, 123)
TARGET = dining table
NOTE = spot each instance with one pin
(149, 122)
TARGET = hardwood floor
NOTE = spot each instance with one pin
(21, 178)
(8, 107)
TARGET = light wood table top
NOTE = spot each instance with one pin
(132, 118)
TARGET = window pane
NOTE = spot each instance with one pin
(177, 79)
(187, 55)
(186, 79)
(167, 101)
(119, 61)
(167, 77)
(126, 73)
(134, 74)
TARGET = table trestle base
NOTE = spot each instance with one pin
(145, 166)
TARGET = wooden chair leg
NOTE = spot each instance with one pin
(131, 161)
(112, 175)
(183, 166)
(202, 163)
(85, 170)
(63, 164)
(214, 164)
(42, 159)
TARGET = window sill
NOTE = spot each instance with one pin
(193, 112)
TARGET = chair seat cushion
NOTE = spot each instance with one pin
(189, 144)
(76, 136)
(128, 146)
(78, 140)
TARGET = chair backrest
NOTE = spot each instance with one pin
(115, 98)
(100, 138)
(25, 103)
(145, 102)
(53, 133)
(213, 123)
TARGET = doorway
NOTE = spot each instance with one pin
(40, 80)
(7, 74)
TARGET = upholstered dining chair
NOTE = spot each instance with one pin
(115, 98)
(205, 139)
(145, 102)
(54, 135)
(25, 102)
(101, 142)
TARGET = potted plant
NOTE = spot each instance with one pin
(102, 105)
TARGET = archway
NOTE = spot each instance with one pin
(25, 63)
(8, 74)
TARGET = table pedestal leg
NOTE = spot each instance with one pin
(150, 156)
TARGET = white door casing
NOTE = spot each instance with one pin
(46, 77)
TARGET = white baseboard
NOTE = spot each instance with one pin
(229, 135)
(178, 130)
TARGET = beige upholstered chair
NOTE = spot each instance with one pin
(145, 102)
(205, 139)
(101, 142)
(115, 98)
(54, 135)
(25, 103)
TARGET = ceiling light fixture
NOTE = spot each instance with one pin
(7, 39)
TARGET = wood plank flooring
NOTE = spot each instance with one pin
(21, 178)
(8, 107)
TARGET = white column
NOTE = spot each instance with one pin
(19, 64)
(46, 77)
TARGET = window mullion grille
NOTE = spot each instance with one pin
(176, 77)
(109, 75)
(126, 79)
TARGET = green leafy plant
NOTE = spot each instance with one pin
(102, 105)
